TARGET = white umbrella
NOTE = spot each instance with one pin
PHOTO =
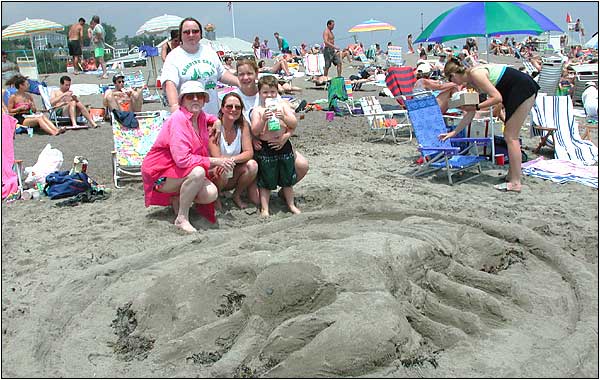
(593, 42)
(29, 27)
(160, 24)
(216, 45)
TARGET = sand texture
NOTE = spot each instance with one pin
(382, 275)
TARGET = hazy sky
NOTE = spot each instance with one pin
(297, 21)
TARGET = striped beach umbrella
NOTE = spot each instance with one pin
(160, 24)
(371, 26)
(29, 27)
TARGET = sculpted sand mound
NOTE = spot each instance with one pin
(349, 293)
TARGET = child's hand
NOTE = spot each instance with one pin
(256, 144)
(279, 114)
(267, 115)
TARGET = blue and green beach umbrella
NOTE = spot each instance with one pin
(485, 19)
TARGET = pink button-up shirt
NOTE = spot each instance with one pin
(177, 150)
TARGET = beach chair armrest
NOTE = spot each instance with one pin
(543, 128)
(452, 150)
(482, 140)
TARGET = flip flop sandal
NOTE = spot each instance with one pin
(302, 106)
(504, 186)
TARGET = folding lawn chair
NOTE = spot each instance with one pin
(45, 92)
(428, 124)
(552, 119)
(132, 144)
(394, 56)
(528, 66)
(549, 77)
(137, 80)
(314, 64)
(379, 120)
(584, 73)
(336, 93)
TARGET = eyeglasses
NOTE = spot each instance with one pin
(195, 95)
(232, 106)
(191, 31)
(120, 81)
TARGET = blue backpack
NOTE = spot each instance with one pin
(61, 184)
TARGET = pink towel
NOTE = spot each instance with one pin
(9, 177)
(562, 167)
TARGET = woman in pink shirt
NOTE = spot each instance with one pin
(175, 171)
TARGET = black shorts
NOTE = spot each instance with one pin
(20, 118)
(330, 57)
(515, 87)
(275, 167)
(74, 48)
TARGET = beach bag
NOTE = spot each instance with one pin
(49, 160)
(61, 184)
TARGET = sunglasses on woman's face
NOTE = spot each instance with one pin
(193, 96)
(232, 106)
(120, 81)
(191, 31)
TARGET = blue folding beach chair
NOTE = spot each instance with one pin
(428, 123)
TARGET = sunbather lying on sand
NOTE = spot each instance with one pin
(279, 67)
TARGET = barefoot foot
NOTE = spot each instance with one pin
(237, 199)
(184, 225)
(264, 213)
(294, 209)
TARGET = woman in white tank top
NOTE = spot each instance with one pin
(234, 141)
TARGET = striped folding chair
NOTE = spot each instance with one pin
(552, 119)
(314, 64)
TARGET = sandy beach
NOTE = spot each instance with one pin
(382, 275)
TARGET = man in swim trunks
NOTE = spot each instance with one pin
(97, 35)
(330, 51)
(76, 43)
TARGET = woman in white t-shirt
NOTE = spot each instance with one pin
(235, 142)
(194, 61)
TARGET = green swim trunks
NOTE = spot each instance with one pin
(98, 52)
(275, 167)
(59, 111)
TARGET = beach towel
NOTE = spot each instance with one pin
(99, 71)
(400, 81)
(9, 177)
(80, 89)
(561, 171)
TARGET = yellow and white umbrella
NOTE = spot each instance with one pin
(29, 27)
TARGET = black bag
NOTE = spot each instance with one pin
(501, 148)
(61, 184)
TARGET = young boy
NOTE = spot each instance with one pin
(273, 126)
